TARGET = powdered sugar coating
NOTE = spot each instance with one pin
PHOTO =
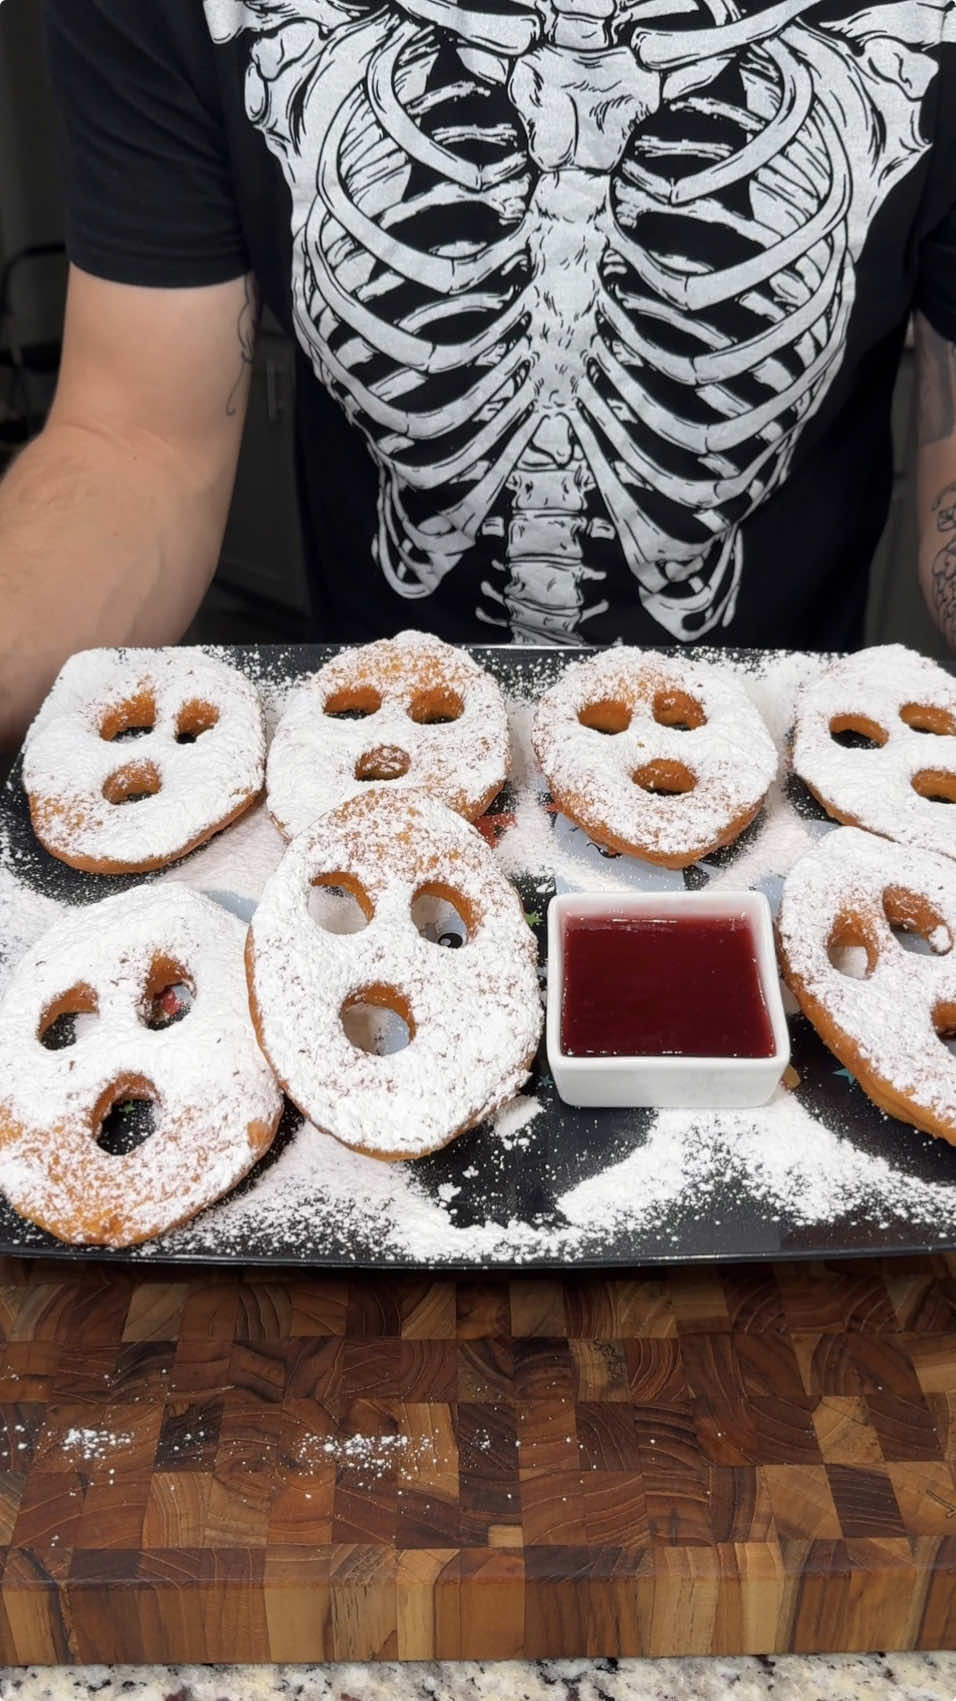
(476, 1012)
(217, 1104)
(202, 785)
(811, 1158)
(873, 788)
(882, 1025)
(313, 758)
(591, 773)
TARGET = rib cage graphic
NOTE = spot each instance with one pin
(498, 272)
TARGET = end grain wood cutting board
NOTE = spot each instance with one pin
(197, 1467)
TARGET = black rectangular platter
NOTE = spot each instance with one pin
(511, 1189)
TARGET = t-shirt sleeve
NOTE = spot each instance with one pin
(149, 193)
(936, 290)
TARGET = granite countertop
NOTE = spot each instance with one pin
(791, 1677)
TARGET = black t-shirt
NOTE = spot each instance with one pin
(598, 304)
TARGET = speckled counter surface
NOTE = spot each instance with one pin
(876, 1677)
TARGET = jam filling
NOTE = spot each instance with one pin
(663, 986)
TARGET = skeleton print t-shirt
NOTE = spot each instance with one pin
(597, 303)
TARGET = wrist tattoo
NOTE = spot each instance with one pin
(943, 569)
(246, 332)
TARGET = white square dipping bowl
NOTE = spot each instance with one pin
(697, 1083)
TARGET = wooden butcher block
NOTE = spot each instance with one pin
(743, 1459)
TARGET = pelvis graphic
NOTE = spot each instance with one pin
(579, 274)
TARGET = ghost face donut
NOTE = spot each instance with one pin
(472, 1016)
(660, 758)
(875, 741)
(215, 1102)
(138, 756)
(406, 711)
(883, 1010)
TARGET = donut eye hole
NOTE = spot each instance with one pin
(65, 1020)
(857, 732)
(852, 947)
(339, 903)
(378, 1019)
(132, 719)
(443, 916)
(125, 1116)
(437, 707)
(194, 719)
(168, 996)
(937, 785)
(138, 780)
(678, 710)
(924, 717)
(664, 779)
(915, 923)
(355, 703)
(609, 716)
(944, 1023)
(385, 762)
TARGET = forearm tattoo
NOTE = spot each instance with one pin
(246, 332)
(937, 385)
(936, 366)
(943, 570)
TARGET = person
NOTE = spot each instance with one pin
(598, 306)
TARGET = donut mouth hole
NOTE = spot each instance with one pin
(678, 710)
(923, 717)
(355, 703)
(944, 1024)
(126, 1116)
(378, 1020)
(66, 1020)
(169, 995)
(193, 720)
(132, 784)
(338, 903)
(857, 732)
(132, 719)
(443, 916)
(852, 947)
(937, 785)
(437, 707)
(664, 779)
(915, 923)
(609, 716)
(386, 762)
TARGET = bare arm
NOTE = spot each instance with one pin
(111, 522)
(936, 497)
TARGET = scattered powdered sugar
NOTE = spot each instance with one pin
(686, 1165)
(271, 670)
(91, 1445)
(371, 1457)
(510, 1123)
(798, 1169)
(234, 866)
(25, 913)
(782, 839)
(775, 681)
